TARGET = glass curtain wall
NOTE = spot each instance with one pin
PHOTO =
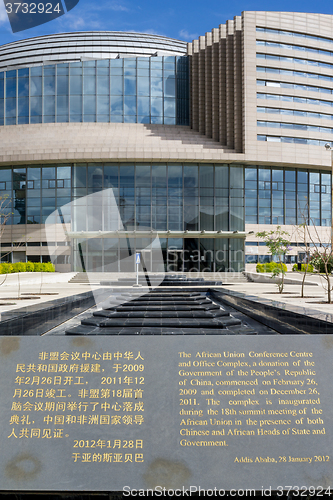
(173, 197)
(285, 196)
(130, 90)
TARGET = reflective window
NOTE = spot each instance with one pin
(103, 85)
(293, 34)
(296, 140)
(116, 85)
(23, 107)
(89, 84)
(116, 105)
(89, 105)
(143, 106)
(62, 85)
(156, 86)
(11, 87)
(295, 126)
(75, 84)
(75, 106)
(156, 106)
(10, 108)
(138, 91)
(49, 106)
(23, 87)
(170, 87)
(307, 191)
(130, 105)
(1, 86)
(36, 86)
(49, 70)
(130, 86)
(143, 86)
(62, 105)
(49, 85)
(296, 73)
(103, 105)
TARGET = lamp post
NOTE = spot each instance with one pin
(329, 148)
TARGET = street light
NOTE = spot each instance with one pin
(328, 147)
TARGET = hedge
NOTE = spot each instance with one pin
(304, 267)
(269, 267)
(26, 267)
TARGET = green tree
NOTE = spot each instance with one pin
(278, 244)
(322, 261)
(320, 255)
(306, 267)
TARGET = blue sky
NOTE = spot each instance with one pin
(182, 19)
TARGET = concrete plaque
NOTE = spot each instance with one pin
(122, 413)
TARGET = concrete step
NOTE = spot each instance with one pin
(233, 278)
(123, 279)
(86, 278)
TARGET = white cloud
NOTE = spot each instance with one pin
(119, 8)
(96, 25)
(82, 22)
(3, 14)
(88, 16)
(104, 6)
(188, 36)
(154, 32)
(76, 23)
(70, 22)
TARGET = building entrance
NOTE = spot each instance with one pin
(180, 255)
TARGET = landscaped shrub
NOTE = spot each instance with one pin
(269, 267)
(48, 267)
(304, 267)
(26, 267)
(19, 267)
(6, 268)
(30, 267)
(318, 260)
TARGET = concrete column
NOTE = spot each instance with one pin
(215, 84)
(202, 65)
(195, 86)
(230, 75)
(208, 84)
(222, 84)
(238, 85)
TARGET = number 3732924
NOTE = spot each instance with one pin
(32, 8)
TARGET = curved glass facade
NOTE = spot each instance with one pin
(161, 196)
(174, 196)
(286, 196)
(129, 90)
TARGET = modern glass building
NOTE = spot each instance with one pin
(205, 143)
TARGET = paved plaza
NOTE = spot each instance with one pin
(26, 289)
